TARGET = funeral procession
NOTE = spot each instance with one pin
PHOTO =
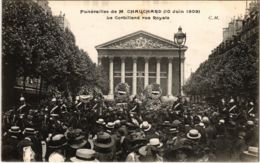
(79, 88)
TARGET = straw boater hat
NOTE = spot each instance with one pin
(53, 99)
(117, 122)
(205, 120)
(103, 142)
(251, 154)
(145, 126)
(57, 141)
(101, 121)
(29, 131)
(14, 129)
(110, 125)
(22, 98)
(84, 155)
(193, 134)
(155, 142)
(250, 123)
(221, 121)
(201, 124)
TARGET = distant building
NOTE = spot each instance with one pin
(140, 59)
(63, 22)
(246, 29)
(234, 27)
(250, 27)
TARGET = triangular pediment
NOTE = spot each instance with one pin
(139, 40)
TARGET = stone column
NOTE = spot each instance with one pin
(111, 75)
(146, 71)
(158, 70)
(134, 76)
(182, 74)
(122, 69)
(99, 61)
(169, 88)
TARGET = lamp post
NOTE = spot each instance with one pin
(180, 39)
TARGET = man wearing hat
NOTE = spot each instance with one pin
(100, 125)
(222, 143)
(194, 141)
(251, 137)
(178, 106)
(172, 138)
(26, 151)
(104, 147)
(54, 107)
(56, 148)
(152, 151)
(35, 139)
(148, 130)
(24, 107)
(233, 109)
(250, 155)
(122, 143)
(84, 155)
(9, 146)
(76, 140)
(134, 105)
(251, 111)
(223, 110)
(238, 146)
(209, 130)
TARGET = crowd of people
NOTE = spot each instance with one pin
(94, 130)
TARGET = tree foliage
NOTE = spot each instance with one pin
(230, 73)
(35, 45)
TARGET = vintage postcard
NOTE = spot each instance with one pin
(130, 81)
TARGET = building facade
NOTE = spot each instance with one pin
(140, 59)
(233, 29)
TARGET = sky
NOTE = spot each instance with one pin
(203, 29)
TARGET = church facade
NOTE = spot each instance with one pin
(140, 59)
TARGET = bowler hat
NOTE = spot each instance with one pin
(176, 123)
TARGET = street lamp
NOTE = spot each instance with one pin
(180, 39)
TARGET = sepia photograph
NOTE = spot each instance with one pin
(129, 81)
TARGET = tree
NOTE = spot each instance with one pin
(34, 45)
